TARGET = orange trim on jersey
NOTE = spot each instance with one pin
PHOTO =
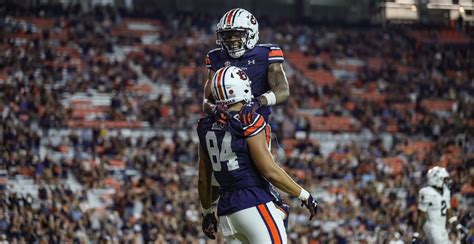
(260, 122)
(219, 85)
(275, 53)
(229, 17)
(272, 227)
(208, 61)
(267, 135)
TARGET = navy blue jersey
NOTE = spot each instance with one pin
(241, 185)
(255, 64)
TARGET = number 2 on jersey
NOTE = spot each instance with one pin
(220, 156)
(443, 208)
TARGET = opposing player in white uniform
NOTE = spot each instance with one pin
(434, 209)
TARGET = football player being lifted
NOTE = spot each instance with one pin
(237, 35)
(434, 209)
(234, 152)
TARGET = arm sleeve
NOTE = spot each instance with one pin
(275, 55)
(255, 126)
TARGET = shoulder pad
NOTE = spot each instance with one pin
(214, 50)
(269, 46)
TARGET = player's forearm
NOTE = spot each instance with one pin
(204, 180)
(205, 191)
(274, 97)
(420, 221)
(279, 88)
(279, 178)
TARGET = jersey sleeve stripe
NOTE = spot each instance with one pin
(256, 128)
(276, 58)
(253, 122)
(208, 61)
(275, 53)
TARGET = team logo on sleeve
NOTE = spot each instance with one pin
(227, 63)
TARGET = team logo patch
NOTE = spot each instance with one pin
(227, 63)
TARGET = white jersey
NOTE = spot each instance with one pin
(435, 204)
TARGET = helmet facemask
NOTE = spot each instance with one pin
(234, 41)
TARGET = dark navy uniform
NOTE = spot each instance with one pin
(254, 62)
(241, 185)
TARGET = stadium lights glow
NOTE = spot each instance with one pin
(461, 9)
(397, 5)
(449, 6)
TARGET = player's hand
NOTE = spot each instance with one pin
(415, 238)
(312, 205)
(221, 113)
(462, 233)
(247, 112)
(209, 225)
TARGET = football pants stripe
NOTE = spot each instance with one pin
(270, 223)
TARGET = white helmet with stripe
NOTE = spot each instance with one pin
(231, 85)
(438, 176)
(238, 21)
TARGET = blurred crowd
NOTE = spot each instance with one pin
(147, 184)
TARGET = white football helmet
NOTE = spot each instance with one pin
(231, 85)
(438, 176)
(237, 21)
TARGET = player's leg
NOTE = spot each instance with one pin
(436, 235)
(237, 239)
(260, 224)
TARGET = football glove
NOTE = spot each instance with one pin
(414, 238)
(209, 225)
(312, 205)
(221, 113)
(462, 233)
(247, 112)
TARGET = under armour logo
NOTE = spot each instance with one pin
(251, 62)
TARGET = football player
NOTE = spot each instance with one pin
(236, 154)
(434, 209)
(237, 35)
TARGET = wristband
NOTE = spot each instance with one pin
(271, 98)
(212, 209)
(416, 234)
(452, 220)
(206, 211)
(304, 195)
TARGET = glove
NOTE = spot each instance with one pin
(462, 233)
(209, 225)
(221, 113)
(247, 112)
(414, 238)
(312, 205)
